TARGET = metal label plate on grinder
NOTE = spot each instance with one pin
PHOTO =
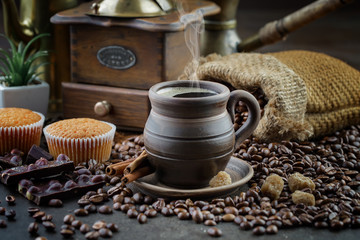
(116, 57)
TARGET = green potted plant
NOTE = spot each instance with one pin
(19, 83)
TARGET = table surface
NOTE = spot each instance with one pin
(156, 228)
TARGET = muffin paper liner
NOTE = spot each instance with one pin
(22, 137)
(82, 149)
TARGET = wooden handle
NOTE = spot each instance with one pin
(279, 29)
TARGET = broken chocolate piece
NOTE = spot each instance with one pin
(12, 159)
(36, 153)
(41, 191)
(41, 168)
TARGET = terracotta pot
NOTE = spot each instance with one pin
(190, 139)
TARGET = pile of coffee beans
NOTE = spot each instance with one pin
(99, 229)
(333, 163)
(40, 217)
(10, 214)
(130, 148)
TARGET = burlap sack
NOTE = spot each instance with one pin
(309, 94)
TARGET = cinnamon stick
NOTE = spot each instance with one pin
(136, 174)
(136, 163)
(117, 168)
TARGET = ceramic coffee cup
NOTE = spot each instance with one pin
(189, 134)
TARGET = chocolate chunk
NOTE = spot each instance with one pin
(62, 187)
(41, 168)
(36, 153)
(12, 159)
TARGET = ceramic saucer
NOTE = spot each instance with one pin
(240, 172)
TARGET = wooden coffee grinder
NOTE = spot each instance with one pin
(119, 49)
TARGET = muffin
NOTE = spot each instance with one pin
(81, 139)
(19, 128)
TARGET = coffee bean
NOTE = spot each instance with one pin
(159, 204)
(49, 226)
(115, 180)
(258, 222)
(148, 199)
(197, 216)
(96, 199)
(272, 229)
(117, 206)
(129, 200)
(104, 209)
(10, 214)
(244, 210)
(142, 218)
(99, 224)
(150, 213)
(132, 213)
(165, 211)
(246, 225)
(259, 230)
(228, 217)
(118, 198)
(2, 210)
(93, 235)
(32, 210)
(67, 233)
(83, 202)
(113, 227)
(217, 211)
(231, 210)
(336, 225)
(143, 208)
(84, 228)
(91, 208)
(239, 219)
(138, 197)
(321, 224)
(68, 219)
(214, 232)
(208, 216)
(80, 212)
(47, 217)
(76, 224)
(210, 223)
(10, 199)
(125, 207)
(67, 226)
(33, 228)
(183, 215)
(3, 223)
(105, 233)
(38, 215)
(55, 203)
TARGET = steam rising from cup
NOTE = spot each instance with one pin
(194, 26)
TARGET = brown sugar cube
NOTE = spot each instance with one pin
(273, 186)
(221, 179)
(297, 181)
(303, 197)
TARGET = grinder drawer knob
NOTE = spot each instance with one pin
(102, 108)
